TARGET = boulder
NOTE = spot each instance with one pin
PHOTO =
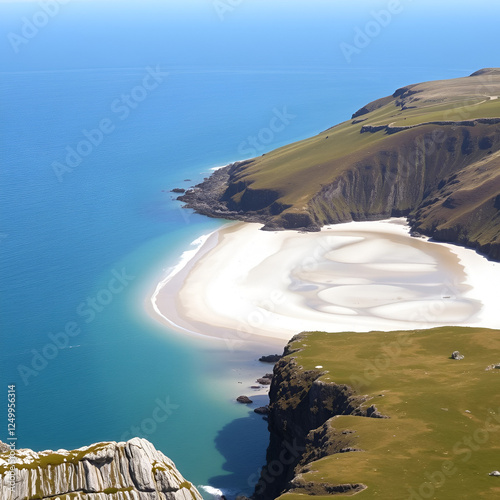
(263, 410)
(456, 355)
(244, 400)
(265, 379)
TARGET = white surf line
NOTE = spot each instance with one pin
(186, 257)
(213, 169)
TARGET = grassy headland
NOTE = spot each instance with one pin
(430, 152)
(441, 437)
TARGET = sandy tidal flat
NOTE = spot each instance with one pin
(359, 276)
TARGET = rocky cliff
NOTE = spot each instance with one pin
(300, 412)
(430, 152)
(103, 471)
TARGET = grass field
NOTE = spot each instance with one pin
(443, 436)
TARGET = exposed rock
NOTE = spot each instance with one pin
(272, 358)
(456, 355)
(244, 400)
(178, 190)
(265, 379)
(117, 471)
(263, 410)
(495, 473)
(372, 412)
(493, 367)
(209, 197)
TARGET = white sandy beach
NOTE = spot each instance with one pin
(359, 276)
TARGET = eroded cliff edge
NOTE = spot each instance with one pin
(103, 471)
(378, 413)
(430, 152)
(300, 416)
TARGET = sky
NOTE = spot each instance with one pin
(77, 34)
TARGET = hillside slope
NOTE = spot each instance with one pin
(430, 152)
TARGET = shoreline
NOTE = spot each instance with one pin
(244, 285)
(166, 290)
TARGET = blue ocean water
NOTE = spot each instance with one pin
(84, 238)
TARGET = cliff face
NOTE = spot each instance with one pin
(430, 152)
(448, 189)
(300, 415)
(103, 471)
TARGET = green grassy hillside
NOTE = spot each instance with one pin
(442, 435)
(431, 152)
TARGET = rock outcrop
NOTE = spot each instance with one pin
(132, 470)
(271, 358)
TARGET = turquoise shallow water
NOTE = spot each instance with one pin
(64, 240)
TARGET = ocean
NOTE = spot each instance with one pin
(94, 135)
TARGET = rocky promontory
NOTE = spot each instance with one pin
(132, 470)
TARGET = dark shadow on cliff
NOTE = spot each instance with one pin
(244, 460)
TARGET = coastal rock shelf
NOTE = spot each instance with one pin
(132, 470)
